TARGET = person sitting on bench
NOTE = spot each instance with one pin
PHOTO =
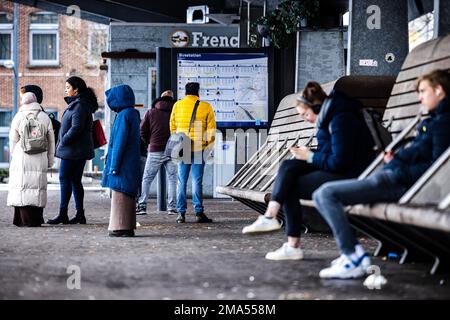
(344, 150)
(388, 184)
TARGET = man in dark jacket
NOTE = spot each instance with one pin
(155, 132)
(399, 173)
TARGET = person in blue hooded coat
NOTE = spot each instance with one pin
(344, 150)
(121, 173)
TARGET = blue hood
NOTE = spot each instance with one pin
(336, 103)
(120, 97)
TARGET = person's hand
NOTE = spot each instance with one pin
(388, 156)
(300, 153)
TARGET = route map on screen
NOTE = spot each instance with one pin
(236, 85)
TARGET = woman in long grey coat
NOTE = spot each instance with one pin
(28, 172)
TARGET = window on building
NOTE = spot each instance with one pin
(97, 42)
(44, 39)
(5, 123)
(4, 145)
(6, 31)
(5, 118)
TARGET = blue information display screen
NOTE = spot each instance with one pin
(236, 85)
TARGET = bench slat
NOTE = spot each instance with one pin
(404, 87)
(433, 186)
(287, 120)
(424, 217)
(403, 99)
(414, 73)
(429, 51)
(285, 113)
(295, 127)
(401, 112)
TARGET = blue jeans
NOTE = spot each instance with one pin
(141, 175)
(154, 162)
(197, 165)
(70, 174)
(331, 198)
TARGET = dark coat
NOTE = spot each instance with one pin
(345, 144)
(75, 135)
(433, 138)
(122, 166)
(155, 128)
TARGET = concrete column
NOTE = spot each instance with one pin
(441, 18)
(378, 37)
(320, 57)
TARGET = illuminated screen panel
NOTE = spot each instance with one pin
(236, 85)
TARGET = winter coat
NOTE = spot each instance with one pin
(155, 130)
(433, 138)
(28, 172)
(202, 135)
(75, 135)
(345, 144)
(122, 166)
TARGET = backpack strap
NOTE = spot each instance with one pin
(194, 112)
(32, 113)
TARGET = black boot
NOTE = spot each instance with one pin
(60, 218)
(79, 218)
(121, 233)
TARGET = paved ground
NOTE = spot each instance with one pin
(170, 261)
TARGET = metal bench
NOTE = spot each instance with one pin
(419, 225)
(252, 184)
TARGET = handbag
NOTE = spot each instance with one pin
(177, 141)
(98, 135)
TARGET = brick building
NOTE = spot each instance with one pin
(52, 47)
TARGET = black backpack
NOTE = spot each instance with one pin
(380, 134)
(55, 124)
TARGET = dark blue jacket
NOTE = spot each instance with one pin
(433, 138)
(75, 135)
(122, 167)
(344, 142)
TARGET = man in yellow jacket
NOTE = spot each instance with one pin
(202, 135)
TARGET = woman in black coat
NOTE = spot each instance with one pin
(75, 146)
(344, 149)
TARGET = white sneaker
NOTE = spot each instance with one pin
(286, 252)
(262, 224)
(172, 212)
(344, 268)
(362, 256)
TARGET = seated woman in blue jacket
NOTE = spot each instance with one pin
(121, 173)
(344, 149)
(388, 184)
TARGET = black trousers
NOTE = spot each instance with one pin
(28, 216)
(297, 179)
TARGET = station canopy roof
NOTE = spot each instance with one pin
(174, 11)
